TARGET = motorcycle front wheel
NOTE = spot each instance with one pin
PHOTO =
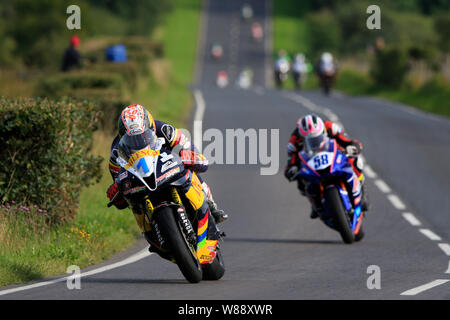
(184, 257)
(216, 269)
(341, 218)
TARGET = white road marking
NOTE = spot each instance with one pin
(430, 234)
(411, 219)
(382, 186)
(396, 202)
(445, 247)
(198, 118)
(448, 270)
(424, 287)
(134, 258)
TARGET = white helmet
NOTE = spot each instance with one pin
(300, 57)
(326, 57)
(312, 128)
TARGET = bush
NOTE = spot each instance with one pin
(109, 102)
(63, 84)
(389, 68)
(128, 71)
(45, 159)
(104, 90)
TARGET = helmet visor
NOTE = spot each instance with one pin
(130, 144)
(317, 143)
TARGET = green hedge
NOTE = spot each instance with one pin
(106, 90)
(64, 83)
(45, 159)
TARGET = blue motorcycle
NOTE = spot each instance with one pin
(329, 172)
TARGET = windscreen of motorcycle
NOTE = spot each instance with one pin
(316, 144)
(130, 144)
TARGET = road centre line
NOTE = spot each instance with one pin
(422, 288)
(445, 247)
(396, 202)
(411, 219)
(382, 186)
(430, 234)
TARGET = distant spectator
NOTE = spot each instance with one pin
(72, 58)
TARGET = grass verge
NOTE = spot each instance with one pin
(29, 251)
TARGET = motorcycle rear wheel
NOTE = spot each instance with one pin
(340, 216)
(184, 257)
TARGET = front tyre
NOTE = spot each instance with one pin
(178, 244)
(360, 234)
(216, 269)
(341, 219)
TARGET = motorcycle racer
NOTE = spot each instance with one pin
(311, 130)
(136, 117)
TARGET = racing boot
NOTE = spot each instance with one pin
(219, 215)
(316, 207)
(314, 214)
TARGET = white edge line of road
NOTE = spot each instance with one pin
(134, 258)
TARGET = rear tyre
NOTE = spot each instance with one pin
(341, 219)
(185, 259)
(216, 269)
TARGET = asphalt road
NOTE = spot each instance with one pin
(273, 249)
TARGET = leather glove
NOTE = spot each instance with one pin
(351, 150)
(119, 201)
(290, 173)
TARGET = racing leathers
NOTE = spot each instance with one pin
(174, 140)
(353, 147)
